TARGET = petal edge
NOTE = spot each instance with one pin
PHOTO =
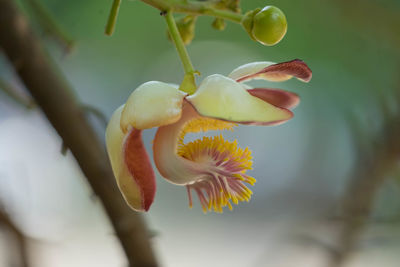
(273, 72)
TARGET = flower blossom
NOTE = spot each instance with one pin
(213, 168)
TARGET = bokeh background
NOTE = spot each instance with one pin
(311, 172)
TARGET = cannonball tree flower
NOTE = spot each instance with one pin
(213, 168)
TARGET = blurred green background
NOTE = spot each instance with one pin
(305, 169)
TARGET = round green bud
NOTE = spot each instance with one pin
(269, 25)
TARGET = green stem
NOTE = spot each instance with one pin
(180, 46)
(195, 8)
(188, 84)
(225, 14)
(112, 18)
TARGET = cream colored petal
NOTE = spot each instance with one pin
(249, 69)
(223, 98)
(130, 164)
(171, 166)
(152, 104)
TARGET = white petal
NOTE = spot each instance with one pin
(248, 69)
(223, 98)
(152, 104)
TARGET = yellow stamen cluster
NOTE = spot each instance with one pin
(202, 124)
(224, 161)
(217, 144)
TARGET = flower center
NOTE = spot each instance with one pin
(225, 164)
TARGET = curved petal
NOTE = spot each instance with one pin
(276, 97)
(272, 72)
(130, 164)
(172, 167)
(223, 98)
(152, 104)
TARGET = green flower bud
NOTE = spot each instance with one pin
(219, 24)
(247, 22)
(186, 27)
(267, 26)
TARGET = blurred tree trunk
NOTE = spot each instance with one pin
(54, 96)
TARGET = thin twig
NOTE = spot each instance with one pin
(89, 110)
(49, 26)
(96, 112)
(12, 92)
(52, 93)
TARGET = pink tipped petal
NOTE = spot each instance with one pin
(276, 97)
(139, 166)
(275, 72)
(223, 98)
(130, 164)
